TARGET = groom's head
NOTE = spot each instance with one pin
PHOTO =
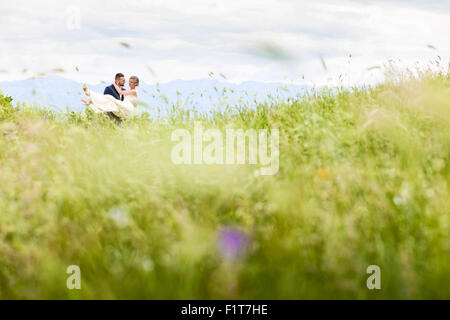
(120, 79)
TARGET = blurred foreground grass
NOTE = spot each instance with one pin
(363, 180)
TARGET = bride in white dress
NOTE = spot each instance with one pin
(107, 103)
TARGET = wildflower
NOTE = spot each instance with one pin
(232, 243)
(147, 264)
(403, 197)
(119, 216)
(323, 173)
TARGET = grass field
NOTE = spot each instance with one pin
(363, 180)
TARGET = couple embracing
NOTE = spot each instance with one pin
(116, 101)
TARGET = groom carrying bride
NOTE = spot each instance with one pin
(117, 102)
(120, 81)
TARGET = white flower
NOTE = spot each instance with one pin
(147, 264)
(404, 195)
(119, 216)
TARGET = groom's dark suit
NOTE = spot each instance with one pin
(113, 92)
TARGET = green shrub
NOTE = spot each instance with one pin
(7, 110)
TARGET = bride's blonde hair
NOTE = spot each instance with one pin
(136, 79)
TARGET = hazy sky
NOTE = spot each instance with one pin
(262, 40)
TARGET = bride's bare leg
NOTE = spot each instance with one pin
(86, 90)
(86, 101)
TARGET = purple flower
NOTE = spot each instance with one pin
(232, 243)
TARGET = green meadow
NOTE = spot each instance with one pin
(363, 180)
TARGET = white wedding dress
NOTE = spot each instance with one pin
(107, 103)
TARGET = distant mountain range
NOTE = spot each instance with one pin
(61, 94)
